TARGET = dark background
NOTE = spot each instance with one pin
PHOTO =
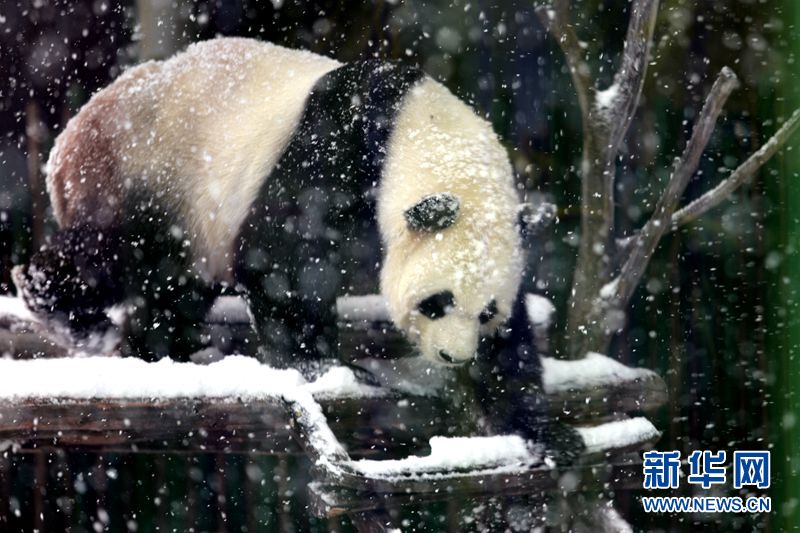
(701, 318)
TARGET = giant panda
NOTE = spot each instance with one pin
(246, 165)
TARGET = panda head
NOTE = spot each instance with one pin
(452, 277)
(447, 210)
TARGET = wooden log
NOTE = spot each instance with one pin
(621, 473)
(368, 426)
(607, 401)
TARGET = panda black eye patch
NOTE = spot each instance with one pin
(435, 306)
(488, 313)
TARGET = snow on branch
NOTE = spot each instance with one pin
(613, 108)
(641, 246)
(608, 269)
(711, 199)
(645, 244)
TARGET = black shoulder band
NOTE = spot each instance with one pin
(347, 121)
(335, 157)
(361, 101)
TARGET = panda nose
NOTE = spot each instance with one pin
(446, 356)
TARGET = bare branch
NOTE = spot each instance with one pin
(606, 116)
(556, 20)
(647, 240)
(698, 207)
(744, 172)
(629, 78)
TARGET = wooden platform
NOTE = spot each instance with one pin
(336, 432)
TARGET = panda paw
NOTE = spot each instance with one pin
(33, 287)
(89, 332)
(559, 442)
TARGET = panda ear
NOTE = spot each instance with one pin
(532, 219)
(433, 213)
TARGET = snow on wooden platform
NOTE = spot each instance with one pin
(594, 370)
(455, 456)
(595, 386)
(540, 310)
(116, 378)
(618, 435)
(239, 404)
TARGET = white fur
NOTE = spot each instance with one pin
(440, 145)
(247, 98)
(204, 128)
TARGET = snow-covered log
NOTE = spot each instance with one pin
(345, 427)
(597, 387)
(487, 466)
(126, 402)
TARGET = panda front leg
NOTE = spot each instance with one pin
(168, 318)
(507, 376)
(292, 301)
(70, 282)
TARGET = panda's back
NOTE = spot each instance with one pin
(198, 133)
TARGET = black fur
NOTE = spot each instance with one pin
(298, 248)
(435, 306)
(433, 213)
(72, 279)
(84, 270)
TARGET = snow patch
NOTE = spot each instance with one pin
(594, 370)
(618, 434)
(449, 455)
(134, 379)
(371, 308)
(540, 309)
(229, 310)
(504, 454)
(606, 97)
(609, 289)
(14, 307)
(341, 382)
